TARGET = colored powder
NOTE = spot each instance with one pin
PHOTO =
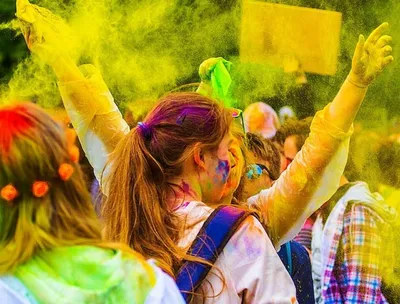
(185, 204)
(185, 187)
(142, 48)
(145, 48)
(223, 169)
(12, 123)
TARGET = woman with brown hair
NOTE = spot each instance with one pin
(167, 175)
(51, 250)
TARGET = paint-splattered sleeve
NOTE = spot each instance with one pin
(310, 180)
(94, 115)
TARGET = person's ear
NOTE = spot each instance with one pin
(198, 156)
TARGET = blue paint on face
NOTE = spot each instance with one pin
(223, 169)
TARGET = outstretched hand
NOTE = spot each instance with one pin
(207, 67)
(46, 35)
(371, 57)
(205, 72)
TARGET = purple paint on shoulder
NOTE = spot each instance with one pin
(185, 204)
(223, 168)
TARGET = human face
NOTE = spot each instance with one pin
(256, 181)
(236, 171)
(284, 161)
(220, 170)
(290, 148)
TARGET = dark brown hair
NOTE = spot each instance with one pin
(293, 127)
(264, 148)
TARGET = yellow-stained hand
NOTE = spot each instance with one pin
(46, 34)
(371, 57)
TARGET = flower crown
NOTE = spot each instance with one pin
(40, 188)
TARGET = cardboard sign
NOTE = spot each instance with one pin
(285, 36)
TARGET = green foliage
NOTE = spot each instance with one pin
(12, 49)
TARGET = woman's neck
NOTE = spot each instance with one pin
(184, 189)
(226, 200)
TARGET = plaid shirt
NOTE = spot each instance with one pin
(355, 277)
(352, 252)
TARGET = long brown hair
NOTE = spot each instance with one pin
(32, 148)
(136, 211)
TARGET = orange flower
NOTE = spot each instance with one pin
(73, 152)
(65, 172)
(9, 192)
(40, 189)
(71, 136)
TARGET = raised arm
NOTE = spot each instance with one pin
(215, 79)
(86, 98)
(369, 60)
(314, 175)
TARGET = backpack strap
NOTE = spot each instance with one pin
(289, 257)
(208, 245)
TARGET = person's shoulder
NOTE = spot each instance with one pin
(12, 291)
(249, 242)
(358, 210)
(251, 226)
(379, 211)
(164, 290)
(365, 217)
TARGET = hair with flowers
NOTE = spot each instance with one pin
(44, 202)
(39, 188)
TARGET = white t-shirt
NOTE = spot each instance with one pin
(249, 264)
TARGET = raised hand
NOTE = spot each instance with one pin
(46, 34)
(371, 57)
(207, 67)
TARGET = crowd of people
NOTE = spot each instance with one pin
(197, 202)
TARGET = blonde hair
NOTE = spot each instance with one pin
(32, 148)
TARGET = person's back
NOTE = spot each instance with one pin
(51, 249)
(248, 270)
(83, 274)
(348, 246)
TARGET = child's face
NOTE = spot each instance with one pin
(256, 178)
